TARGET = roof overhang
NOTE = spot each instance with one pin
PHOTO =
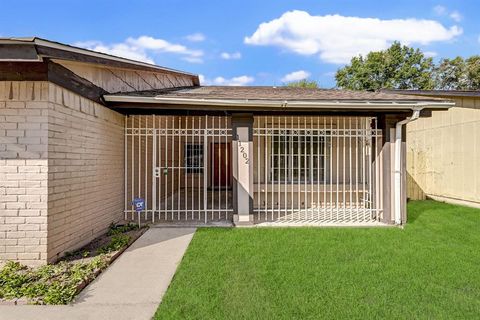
(370, 105)
(35, 49)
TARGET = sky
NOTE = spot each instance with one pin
(249, 42)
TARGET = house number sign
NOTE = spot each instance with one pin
(243, 152)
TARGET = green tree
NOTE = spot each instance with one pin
(450, 74)
(458, 74)
(304, 83)
(473, 72)
(398, 67)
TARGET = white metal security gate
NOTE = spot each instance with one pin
(316, 168)
(181, 166)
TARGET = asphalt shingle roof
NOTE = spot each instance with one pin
(274, 93)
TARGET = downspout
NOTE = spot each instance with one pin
(398, 169)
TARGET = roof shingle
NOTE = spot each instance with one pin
(274, 93)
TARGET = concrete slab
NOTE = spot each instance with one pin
(131, 288)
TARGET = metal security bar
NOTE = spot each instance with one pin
(312, 168)
(181, 166)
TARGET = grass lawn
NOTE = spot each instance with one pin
(430, 269)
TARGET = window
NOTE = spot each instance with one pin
(193, 161)
(297, 158)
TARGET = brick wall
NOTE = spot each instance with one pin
(86, 170)
(23, 171)
(61, 171)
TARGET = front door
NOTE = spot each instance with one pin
(221, 171)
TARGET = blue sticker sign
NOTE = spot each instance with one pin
(138, 204)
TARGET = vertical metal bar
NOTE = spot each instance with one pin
(285, 172)
(172, 142)
(344, 198)
(356, 166)
(350, 166)
(159, 148)
(278, 167)
(184, 165)
(324, 167)
(310, 169)
(200, 173)
(256, 138)
(165, 174)
(227, 166)
(205, 168)
(364, 154)
(146, 167)
(125, 181)
(266, 165)
(331, 169)
(139, 156)
(317, 182)
(304, 154)
(152, 173)
(192, 170)
(337, 165)
(272, 167)
(132, 165)
(219, 168)
(179, 174)
(291, 168)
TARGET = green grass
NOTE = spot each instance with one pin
(429, 270)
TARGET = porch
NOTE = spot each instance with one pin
(304, 169)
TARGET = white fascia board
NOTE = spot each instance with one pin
(284, 103)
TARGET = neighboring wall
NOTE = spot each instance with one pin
(61, 170)
(443, 154)
(23, 171)
(86, 165)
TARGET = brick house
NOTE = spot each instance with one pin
(83, 133)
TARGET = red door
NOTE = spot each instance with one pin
(221, 170)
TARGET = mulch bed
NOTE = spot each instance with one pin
(93, 250)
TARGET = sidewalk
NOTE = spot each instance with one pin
(131, 288)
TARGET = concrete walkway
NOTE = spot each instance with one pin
(131, 288)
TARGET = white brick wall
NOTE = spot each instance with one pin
(85, 170)
(23, 171)
(61, 171)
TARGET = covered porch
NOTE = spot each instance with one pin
(317, 161)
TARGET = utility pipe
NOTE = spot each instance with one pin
(398, 169)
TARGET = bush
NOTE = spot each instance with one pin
(118, 241)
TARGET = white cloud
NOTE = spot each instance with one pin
(296, 75)
(196, 37)
(231, 56)
(142, 48)
(440, 10)
(456, 16)
(221, 81)
(444, 11)
(336, 38)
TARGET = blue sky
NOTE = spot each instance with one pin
(249, 42)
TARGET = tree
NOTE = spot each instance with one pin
(450, 74)
(304, 83)
(458, 74)
(473, 72)
(398, 67)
